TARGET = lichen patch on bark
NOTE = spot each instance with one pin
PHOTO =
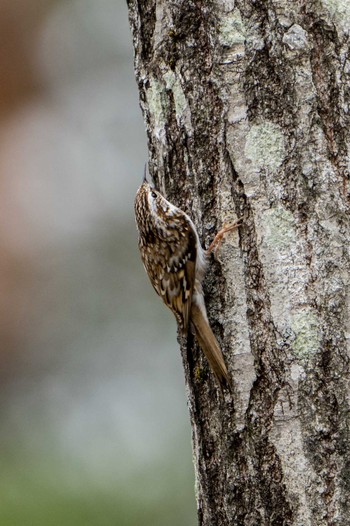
(157, 104)
(265, 146)
(306, 327)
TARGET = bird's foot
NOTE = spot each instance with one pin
(216, 243)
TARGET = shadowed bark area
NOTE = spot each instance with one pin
(246, 106)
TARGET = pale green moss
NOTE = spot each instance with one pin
(157, 104)
(279, 228)
(173, 83)
(265, 146)
(231, 29)
(305, 326)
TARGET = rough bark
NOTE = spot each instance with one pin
(246, 105)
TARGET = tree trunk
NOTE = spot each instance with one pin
(246, 105)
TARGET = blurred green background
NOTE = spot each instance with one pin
(94, 424)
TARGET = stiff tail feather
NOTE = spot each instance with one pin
(209, 345)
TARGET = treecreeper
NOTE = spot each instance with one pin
(176, 263)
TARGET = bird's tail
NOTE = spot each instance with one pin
(209, 344)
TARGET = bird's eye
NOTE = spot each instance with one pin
(154, 195)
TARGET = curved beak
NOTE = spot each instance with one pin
(145, 173)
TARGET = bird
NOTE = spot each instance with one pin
(175, 263)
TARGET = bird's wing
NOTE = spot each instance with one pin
(173, 273)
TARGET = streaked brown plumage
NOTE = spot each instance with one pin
(175, 263)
